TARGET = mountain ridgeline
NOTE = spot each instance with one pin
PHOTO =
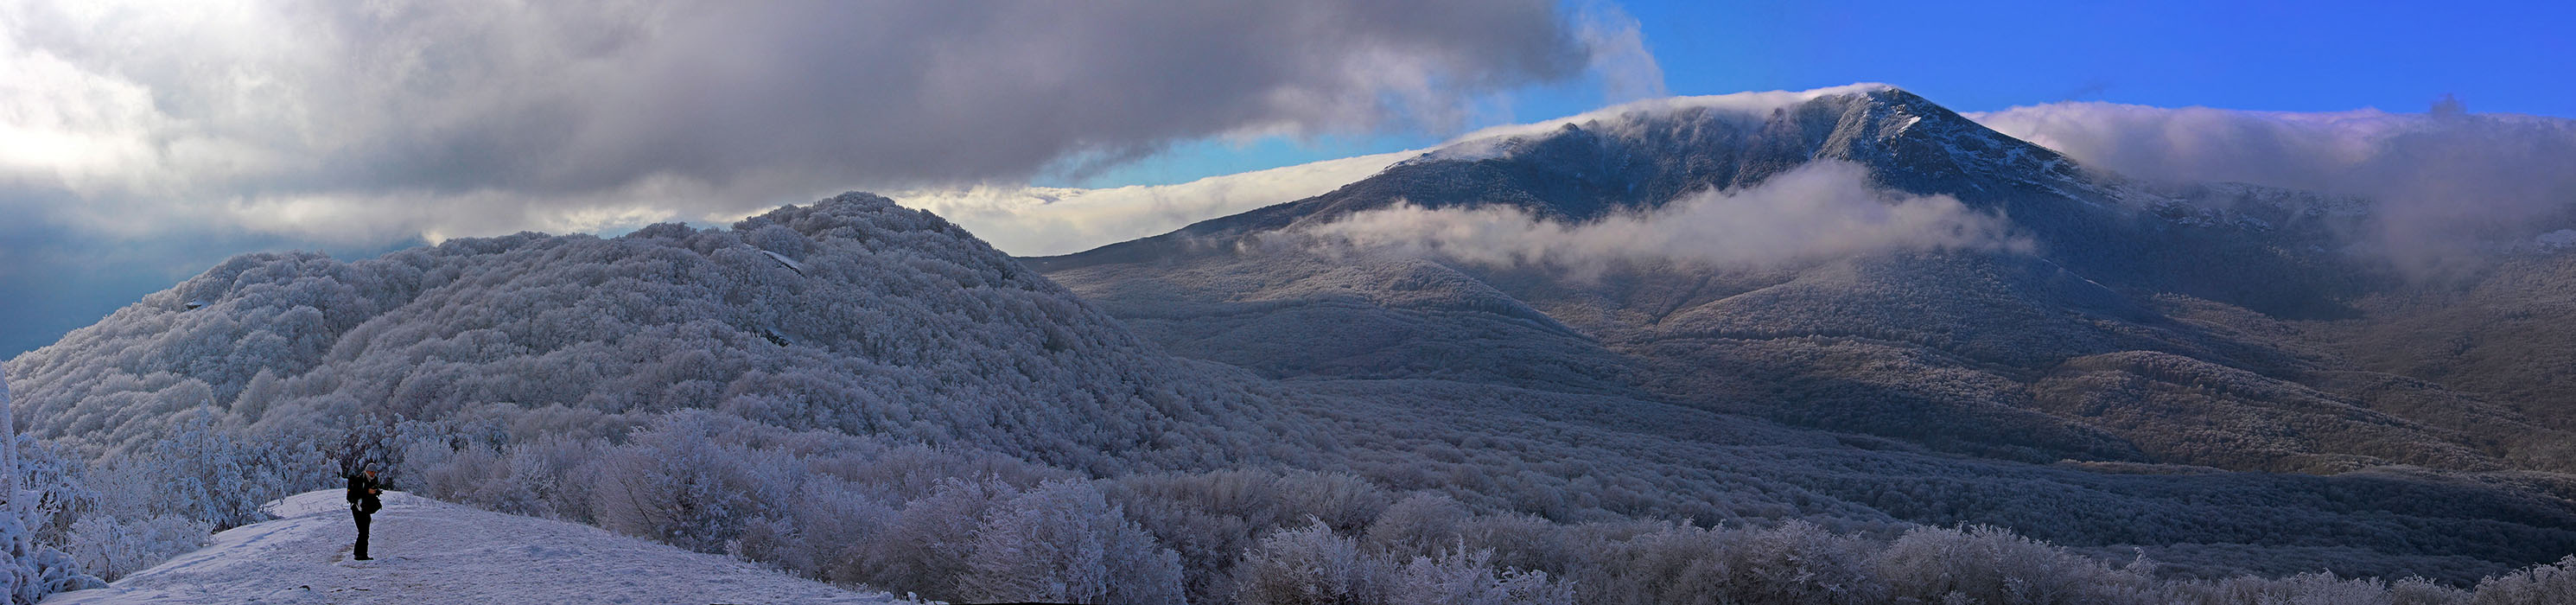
(2194, 327)
(2148, 323)
(1260, 405)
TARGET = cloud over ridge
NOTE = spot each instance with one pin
(1039, 221)
(1826, 209)
(2445, 186)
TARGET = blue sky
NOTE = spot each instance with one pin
(2515, 57)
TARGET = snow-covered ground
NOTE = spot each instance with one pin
(430, 552)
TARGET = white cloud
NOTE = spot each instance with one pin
(2445, 185)
(1748, 107)
(1040, 221)
(1628, 71)
(344, 119)
(1823, 210)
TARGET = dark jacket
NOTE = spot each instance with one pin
(362, 494)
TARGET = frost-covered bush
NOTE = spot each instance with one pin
(57, 484)
(132, 510)
(1469, 578)
(2552, 584)
(1309, 566)
(1312, 565)
(111, 547)
(1062, 542)
(1799, 562)
(827, 529)
(1982, 564)
(676, 485)
(926, 549)
(1418, 525)
(29, 570)
(203, 472)
(2316, 588)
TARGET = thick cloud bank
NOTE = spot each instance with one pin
(154, 139)
(388, 120)
(2444, 184)
(1823, 210)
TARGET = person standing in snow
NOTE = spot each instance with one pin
(363, 503)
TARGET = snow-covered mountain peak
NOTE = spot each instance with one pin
(1643, 155)
(1742, 105)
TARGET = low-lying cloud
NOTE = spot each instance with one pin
(1041, 221)
(2445, 185)
(1820, 211)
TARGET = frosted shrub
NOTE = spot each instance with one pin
(28, 570)
(1982, 564)
(2316, 588)
(56, 485)
(1308, 566)
(1420, 524)
(209, 474)
(926, 548)
(835, 521)
(779, 239)
(670, 484)
(2552, 584)
(110, 548)
(1796, 562)
(1520, 541)
(48, 571)
(1062, 542)
(470, 475)
(2419, 591)
(1346, 502)
(1671, 564)
(547, 471)
(1470, 579)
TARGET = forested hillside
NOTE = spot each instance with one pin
(2002, 301)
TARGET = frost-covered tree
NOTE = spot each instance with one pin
(1309, 566)
(1469, 578)
(675, 484)
(1063, 542)
(203, 472)
(29, 571)
(19, 543)
(111, 546)
(1420, 524)
(2536, 585)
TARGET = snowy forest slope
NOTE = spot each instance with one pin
(2080, 329)
(849, 314)
(2111, 324)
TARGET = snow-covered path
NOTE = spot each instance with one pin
(430, 552)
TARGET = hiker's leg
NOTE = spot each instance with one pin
(360, 551)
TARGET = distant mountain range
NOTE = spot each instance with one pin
(2215, 326)
(2211, 325)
